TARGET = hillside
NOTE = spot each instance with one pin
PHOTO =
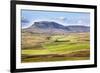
(55, 28)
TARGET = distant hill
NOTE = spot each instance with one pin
(79, 28)
(54, 28)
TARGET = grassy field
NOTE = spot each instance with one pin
(44, 47)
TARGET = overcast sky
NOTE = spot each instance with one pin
(28, 17)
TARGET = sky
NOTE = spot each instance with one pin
(28, 17)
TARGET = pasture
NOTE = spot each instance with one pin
(55, 47)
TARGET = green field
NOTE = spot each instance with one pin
(47, 47)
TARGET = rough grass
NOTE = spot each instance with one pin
(48, 59)
(78, 55)
(69, 44)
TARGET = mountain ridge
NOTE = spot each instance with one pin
(55, 28)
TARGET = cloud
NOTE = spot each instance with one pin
(61, 19)
(79, 21)
(24, 20)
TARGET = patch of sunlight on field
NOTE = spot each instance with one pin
(56, 49)
(66, 47)
(63, 37)
(70, 38)
(35, 52)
